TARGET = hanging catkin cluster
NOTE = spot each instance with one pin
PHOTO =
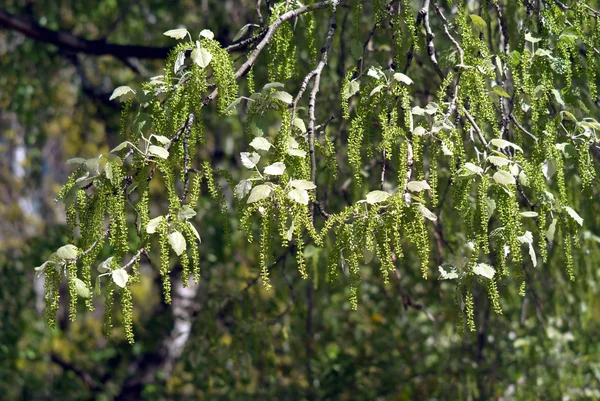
(495, 154)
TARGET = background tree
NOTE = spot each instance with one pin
(377, 139)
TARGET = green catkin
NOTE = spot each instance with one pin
(345, 92)
(127, 313)
(482, 213)
(109, 299)
(265, 243)
(470, 311)
(165, 264)
(71, 270)
(51, 295)
(224, 74)
(493, 295)
(282, 50)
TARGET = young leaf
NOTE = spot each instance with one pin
(353, 87)
(529, 214)
(283, 96)
(177, 242)
(473, 168)
(376, 89)
(207, 33)
(299, 195)
(249, 160)
(162, 139)
(504, 178)
(259, 193)
(201, 56)
(500, 91)
(81, 289)
(179, 61)
(374, 197)
(243, 188)
(176, 33)
(67, 252)
(551, 231)
(499, 161)
(531, 39)
(120, 91)
(195, 231)
(242, 32)
(428, 214)
(502, 143)
(448, 272)
(417, 186)
(105, 266)
(296, 152)
(299, 123)
(120, 277)
(400, 77)
(574, 215)
(484, 270)
(185, 213)
(302, 184)
(260, 143)
(153, 224)
(158, 151)
(478, 23)
(275, 169)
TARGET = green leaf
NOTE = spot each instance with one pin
(153, 224)
(162, 139)
(504, 178)
(558, 97)
(484, 270)
(376, 90)
(76, 160)
(503, 143)
(298, 123)
(302, 184)
(259, 193)
(179, 62)
(81, 288)
(375, 72)
(417, 186)
(158, 151)
(448, 272)
(249, 160)
(185, 213)
(529, 214)
(272, 85)
(233, 105)
(418, 111)
(574, 215)
(176, 33)
(499, 161)
(283, 96)
(472, 168)
(531, 39)
(201, 57)
(431, 108)
(353, 87)
(196, 234)
(419, 131)
(120, 146)
(275, 169)
(243, 188)
(374, 197)
(400, 77)
(177, 242)
(121, 91)
(296, 152)
(500, 91)
(67, 252)
(299, 195)
(551, 231)
(428, 214)
(104, 267)
(478, 23)
(260, 143)
(120, 277)
(356, 49)
(242, 32)
(207, 33)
